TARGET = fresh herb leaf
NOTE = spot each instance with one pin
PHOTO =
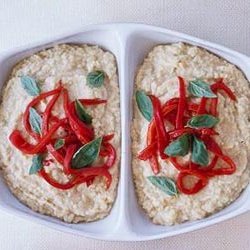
(36, 164)
(199, 152)
(87, 153)
(81, 113)
(30, 86)
(178, 147)
(59, 143)
(35, 121)
(144, 104)
(202, 121)
(165, 184)
(200, 88)
(95, 78)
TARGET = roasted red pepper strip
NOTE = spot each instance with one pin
(151, 136)
(94, 101)
(162, 136)
(148, 152)
(220, 85)
(84, 133)
(19, 142)
(181, 104)
(71, 183)
(201, 183)
(202, 107)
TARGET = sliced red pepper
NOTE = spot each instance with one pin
(201, 183)
(84, 133)
(162, 136)
(94, 101)
(220, 85)
(148, 152)
(202, 107)
(181, 104)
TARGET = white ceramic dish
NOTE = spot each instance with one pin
(129, 43)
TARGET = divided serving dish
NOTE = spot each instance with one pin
(130, 43)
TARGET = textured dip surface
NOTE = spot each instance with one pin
(71, 64)
(158, 76)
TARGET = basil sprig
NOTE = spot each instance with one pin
(82, 113)
(30, 86)
(144, 104)
(35, 120)
(59, 143)
(96, 78)
(200, 88)
(37, 164)
(179, 147)
(199, 152)
(165, 184)
(202, 121)
(86, 154)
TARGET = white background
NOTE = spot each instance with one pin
(225, 22)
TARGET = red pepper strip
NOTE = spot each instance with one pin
(178, 132)
(201, 183)
(162, 136)
(54, 183)
(171, 102)
(94, 171)
(202, 107)
(212, 145)
(215, 148)
(107, 138)
(111, 157)
(193, 106)
(94, 101)
(203, 131)
(213, 106)
(224, 171)
(167, 109)
(47, 113)
(182, 103)
(151, 136)
(20, 143)
(32, 104)
(177, 165)
(148, 152)
(81, 130)
(219, 85)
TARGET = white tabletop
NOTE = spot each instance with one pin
(223, 21)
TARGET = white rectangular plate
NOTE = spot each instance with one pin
(129, 43)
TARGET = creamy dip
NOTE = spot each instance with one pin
(158, 76)
(71, 64)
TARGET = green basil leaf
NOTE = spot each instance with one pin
(59, 144)
(86, 154)
(81, 113)
(200, 88)
(165, 184)
(202, 121)
(178, 147)
(30, 86)
(199, 152)
(35, 121)
(37, 164)
(96, 78)
(144, 104)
